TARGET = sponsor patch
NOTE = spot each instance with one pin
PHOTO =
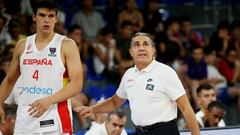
(46, 123)
(150, 87)
(52, 52)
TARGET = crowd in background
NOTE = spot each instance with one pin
(104, 37)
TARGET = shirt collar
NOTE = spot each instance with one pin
(147, 69)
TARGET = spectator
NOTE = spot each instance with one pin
(168, 43)
(152, 17)
(111, 13)
(123, 39)
(90, 20)
(214, 114)
(16, 31)
(189, 37)
(229, 67)
(217, 80)
(220, 39)
(114, 125)
(5, 38)
(75, 32)
(196, 70)
(132, 14)
(235, 36)
(105, 58)
(174, 37)
(26, 7)
(60, 25)
(205, 95)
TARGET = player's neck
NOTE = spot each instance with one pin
(42, 40)
(44, 36)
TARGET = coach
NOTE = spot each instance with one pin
(154, 92)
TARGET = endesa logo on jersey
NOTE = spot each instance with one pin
(43, 61)
(37, 90)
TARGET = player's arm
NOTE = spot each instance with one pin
(188, 114)
(71, 58)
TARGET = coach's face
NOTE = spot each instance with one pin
(142, 51)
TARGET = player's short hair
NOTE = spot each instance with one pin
(49, 4)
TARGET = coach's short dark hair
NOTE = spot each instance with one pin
(49, 4)
(143, 34)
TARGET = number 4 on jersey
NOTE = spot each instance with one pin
(35, 75)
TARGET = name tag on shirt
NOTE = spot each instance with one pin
(150, 87)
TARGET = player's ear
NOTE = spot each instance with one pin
(56, 19)
(34, 17)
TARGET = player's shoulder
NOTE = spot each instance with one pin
(20, 46)
(21, 42)
(68, 41)
(69, 47)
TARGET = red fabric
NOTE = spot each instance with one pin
(65, 118)
(196, 38)
(65, 75)
(225, 70)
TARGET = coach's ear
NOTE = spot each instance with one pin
(130, 51)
